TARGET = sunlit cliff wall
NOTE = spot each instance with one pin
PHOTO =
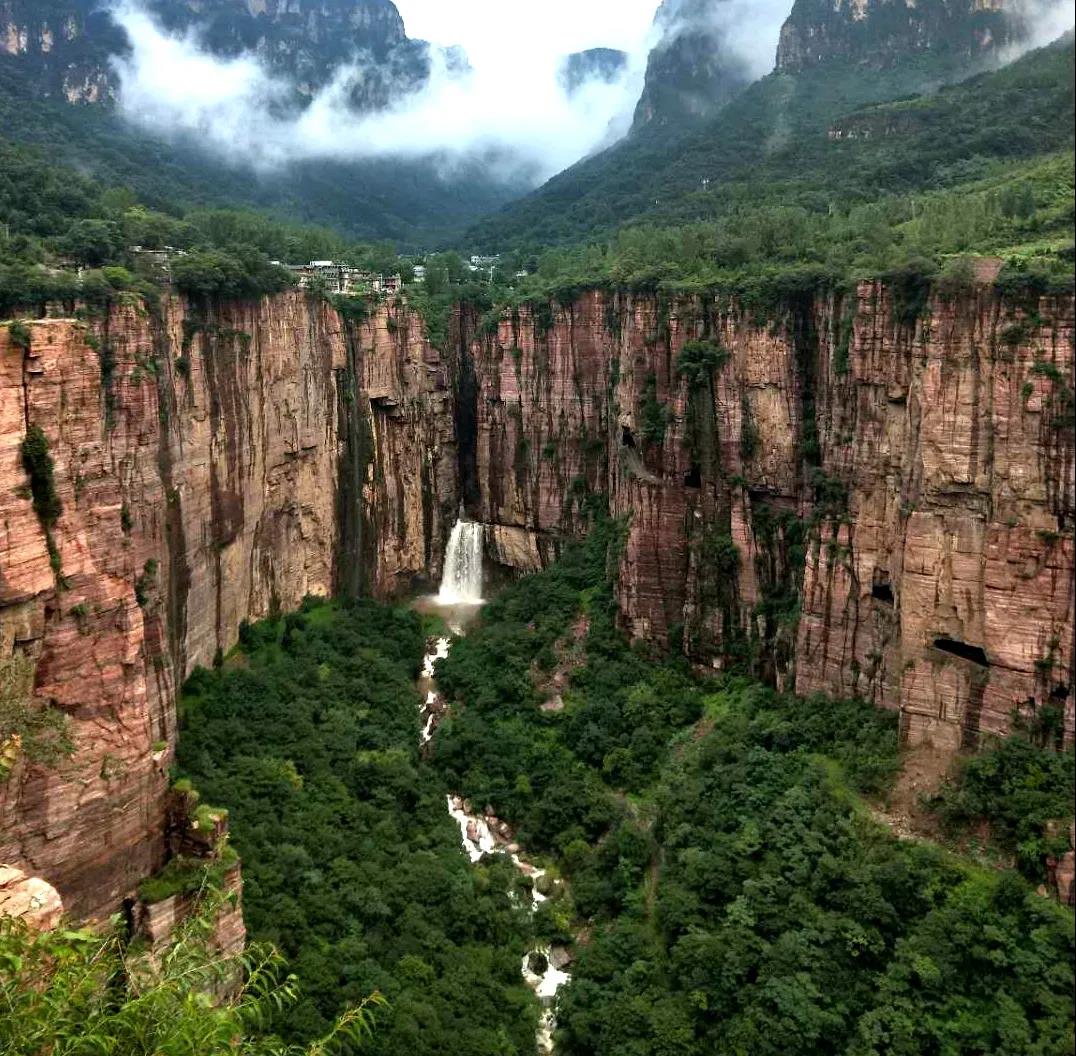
(869, 493)
(197, 455)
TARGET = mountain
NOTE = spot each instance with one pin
(663, 165)
(63, 48)
(881, 33)
(594, 64)
(692, 71)
(58, 87)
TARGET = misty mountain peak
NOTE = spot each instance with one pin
(64, 47)
(594, 64)
(692, 72)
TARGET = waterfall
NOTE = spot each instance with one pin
(462, 582)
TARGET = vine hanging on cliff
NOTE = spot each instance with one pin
(37, 462)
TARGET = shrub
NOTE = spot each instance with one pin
(20, 335)
(28, 728)
(699, 359)
(38, 464)
(1017, 788)
(655, 413)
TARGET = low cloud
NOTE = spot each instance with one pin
(515, 112)
(749, 29)
(1048, 19)
(511, 110)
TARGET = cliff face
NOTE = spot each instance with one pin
(857, 496)
(880, 33)
(197, 457)
(865, 494)
(693, 70)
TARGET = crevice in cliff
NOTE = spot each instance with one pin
(356, 451)
(466, 418)
(179, 573)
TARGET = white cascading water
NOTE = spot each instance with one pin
(462, 586)
(462, 582)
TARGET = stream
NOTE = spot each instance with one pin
(458, 602)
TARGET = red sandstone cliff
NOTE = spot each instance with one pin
(856, 498)
(197, 457)
(899, 491)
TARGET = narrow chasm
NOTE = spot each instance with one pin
(466, 418)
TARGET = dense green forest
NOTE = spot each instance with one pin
(730, 884)
(352, 865)
(919, 187)
(718, 841)
(719, 845)
(772, 147)
(416, 204)
(54, 220)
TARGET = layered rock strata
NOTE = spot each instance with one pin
(859, 495)
(866, 493)
(196, 454)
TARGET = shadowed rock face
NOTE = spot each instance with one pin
(692, 72)
(857, 495)
(879, 33)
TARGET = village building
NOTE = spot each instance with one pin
(343, 279)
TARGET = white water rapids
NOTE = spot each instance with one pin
(482, 834)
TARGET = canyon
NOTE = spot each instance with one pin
(863, 492)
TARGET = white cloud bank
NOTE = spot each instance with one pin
(1049, 19)
(510, 106)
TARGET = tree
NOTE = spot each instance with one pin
(75, 992)
(92, 242)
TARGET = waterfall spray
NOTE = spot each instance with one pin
(462, 582)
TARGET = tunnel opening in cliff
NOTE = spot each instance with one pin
(882, 590)
(953, 647)
(693, 477)
(627, 438)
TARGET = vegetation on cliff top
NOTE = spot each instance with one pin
(54, 219)
(819, 141)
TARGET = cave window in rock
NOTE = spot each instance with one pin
(628, 438)
(882, 590)
(974, 653)
(1059, 693)
(693, 477)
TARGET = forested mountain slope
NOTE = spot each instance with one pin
(775, 138)
(58, 88)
